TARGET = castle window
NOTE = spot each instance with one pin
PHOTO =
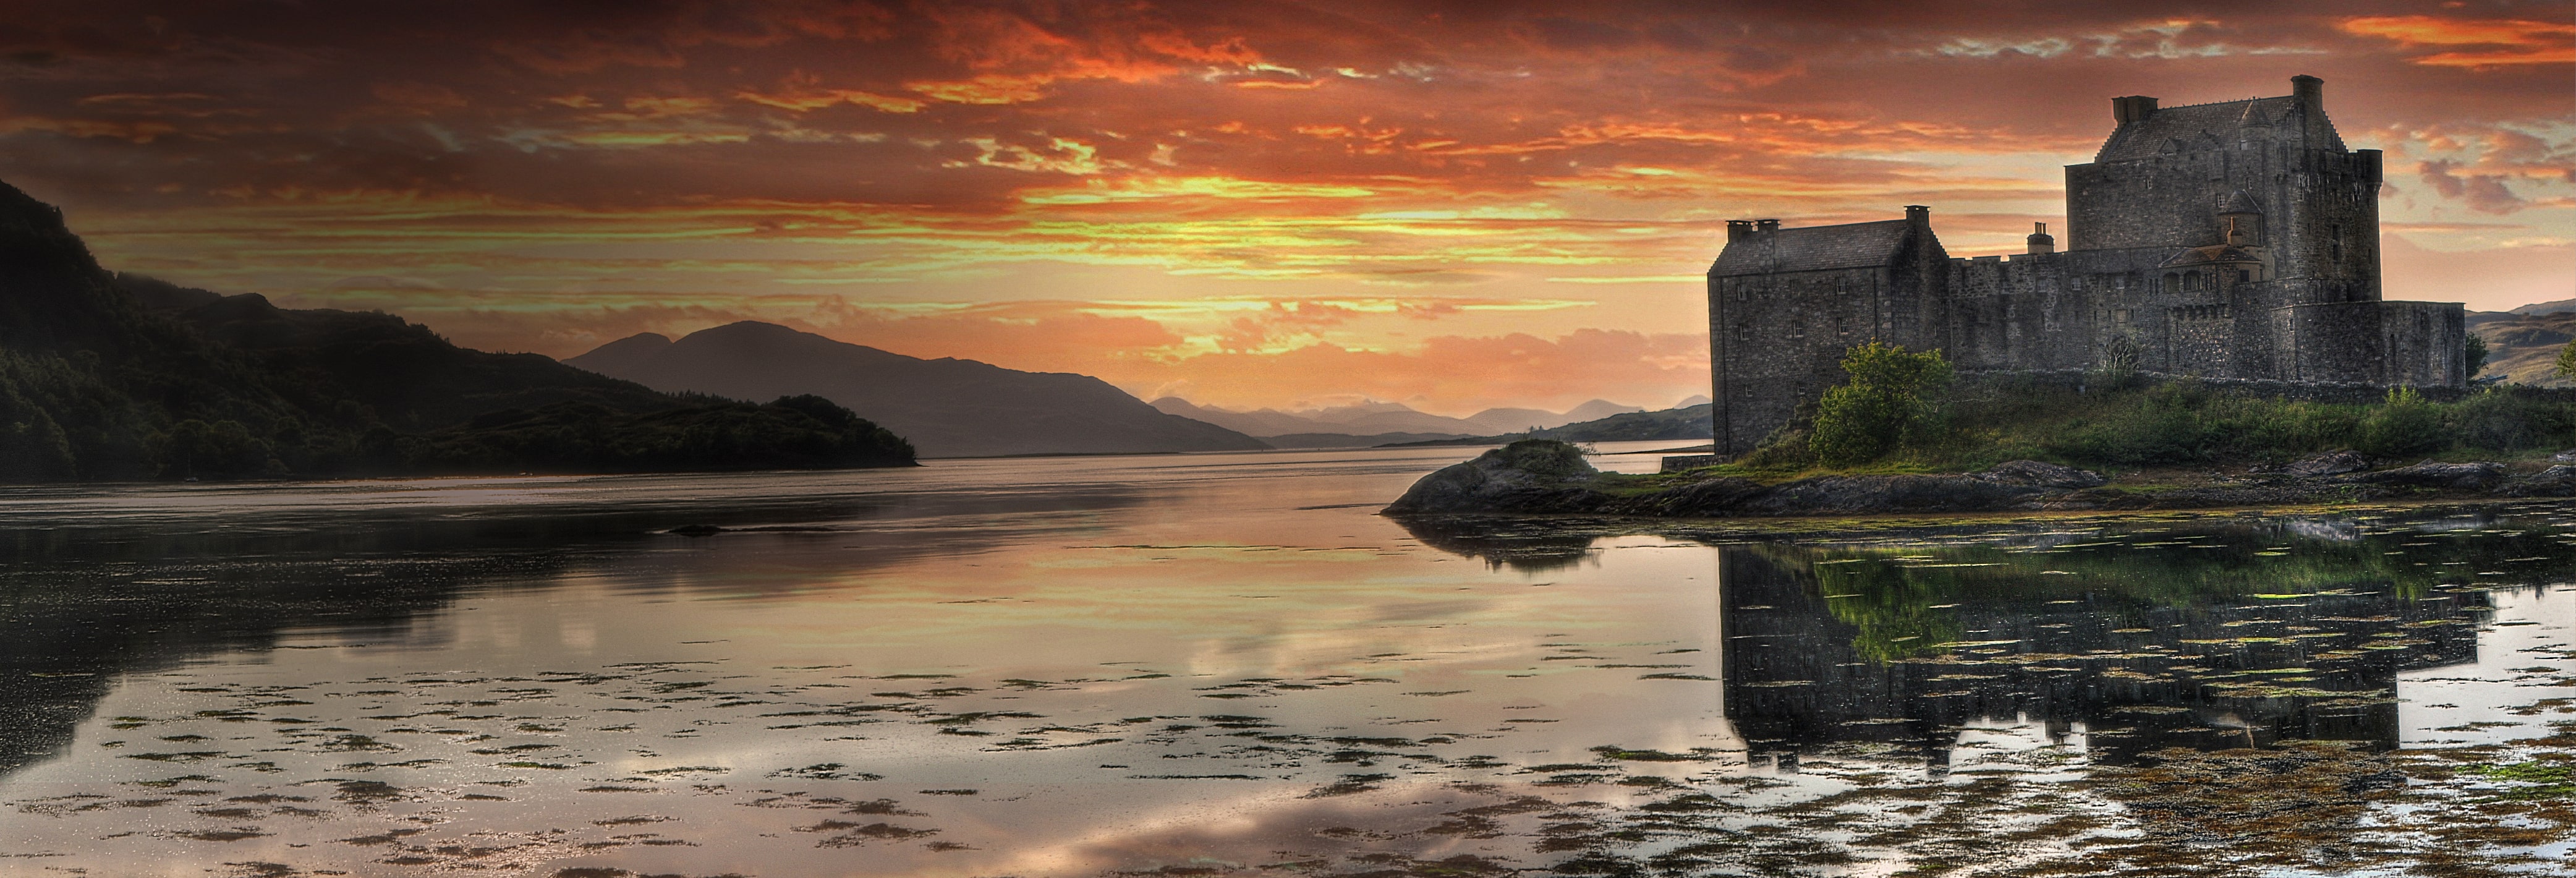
(1798, 330)
(2191, 282)
(1744, 332)
(2244, 276)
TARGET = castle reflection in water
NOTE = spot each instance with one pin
(2126, 636)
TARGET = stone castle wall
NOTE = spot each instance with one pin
(2282, 287)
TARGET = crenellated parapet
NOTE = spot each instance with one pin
(2234, 240)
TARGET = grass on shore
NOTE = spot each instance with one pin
(2161, 432)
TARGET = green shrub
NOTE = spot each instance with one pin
(2278, 429)
(2406, 424)
(1883, 405)
(2165, 424)
(1546, 457)
(2499, 419)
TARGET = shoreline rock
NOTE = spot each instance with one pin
(1541, 476)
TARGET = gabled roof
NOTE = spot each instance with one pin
(2238, 201)
(1813, 248)
(2197, 127)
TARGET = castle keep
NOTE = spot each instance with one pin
(2235, 240)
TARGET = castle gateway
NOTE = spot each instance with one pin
(2236, 240)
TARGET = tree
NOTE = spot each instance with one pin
(2566, 367)
(1884, 403)
(2477, 350)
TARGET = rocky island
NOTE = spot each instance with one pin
(1545, 476)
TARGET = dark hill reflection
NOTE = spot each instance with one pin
(2141, 635)
(82, 603)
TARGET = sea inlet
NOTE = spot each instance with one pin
(1233, 665)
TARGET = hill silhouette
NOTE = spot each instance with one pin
(118, 377)
(1684, 422)
(1382, 421)
(946, 407)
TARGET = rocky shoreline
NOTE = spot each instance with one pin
(1549, 477)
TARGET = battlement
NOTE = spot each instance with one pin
(2235, 240)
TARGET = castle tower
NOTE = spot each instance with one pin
(2164, 172)
(2234, 241)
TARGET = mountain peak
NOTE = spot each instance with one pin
(623, 354)
(946, 407)
(1593, 410)
(25, 221)
(52, 291)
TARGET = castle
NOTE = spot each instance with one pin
(2235, 240)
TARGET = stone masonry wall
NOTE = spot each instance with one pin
(1778, 339)
(2292, 298)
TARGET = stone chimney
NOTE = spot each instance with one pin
(2039, 240)
(1768, 225)
(2309, 94)
(1919, 215)
(2132, 108)
(1737, 229)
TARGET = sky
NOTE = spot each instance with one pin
(1246, 203)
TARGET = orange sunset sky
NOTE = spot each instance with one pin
(1265, 203)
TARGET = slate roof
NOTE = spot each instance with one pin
(1813, 248)
(2196, 127)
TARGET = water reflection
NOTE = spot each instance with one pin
(2125, 636)
(1223, 666)
(88, 598)
(2190, 647)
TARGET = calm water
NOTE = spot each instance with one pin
(1220, 664)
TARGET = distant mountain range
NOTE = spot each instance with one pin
(1682, 422)
(1379, 420)
(946, 407)
(2557, 307)
(108, 376)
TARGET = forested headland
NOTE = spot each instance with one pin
(116, 377)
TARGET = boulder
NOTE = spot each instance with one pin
(1861, 495)
(1532, 475)
(2332, 463)
(1710, 498)
(2032, 473)
(2556, 481)
(2477, 476)
(1688, 462)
